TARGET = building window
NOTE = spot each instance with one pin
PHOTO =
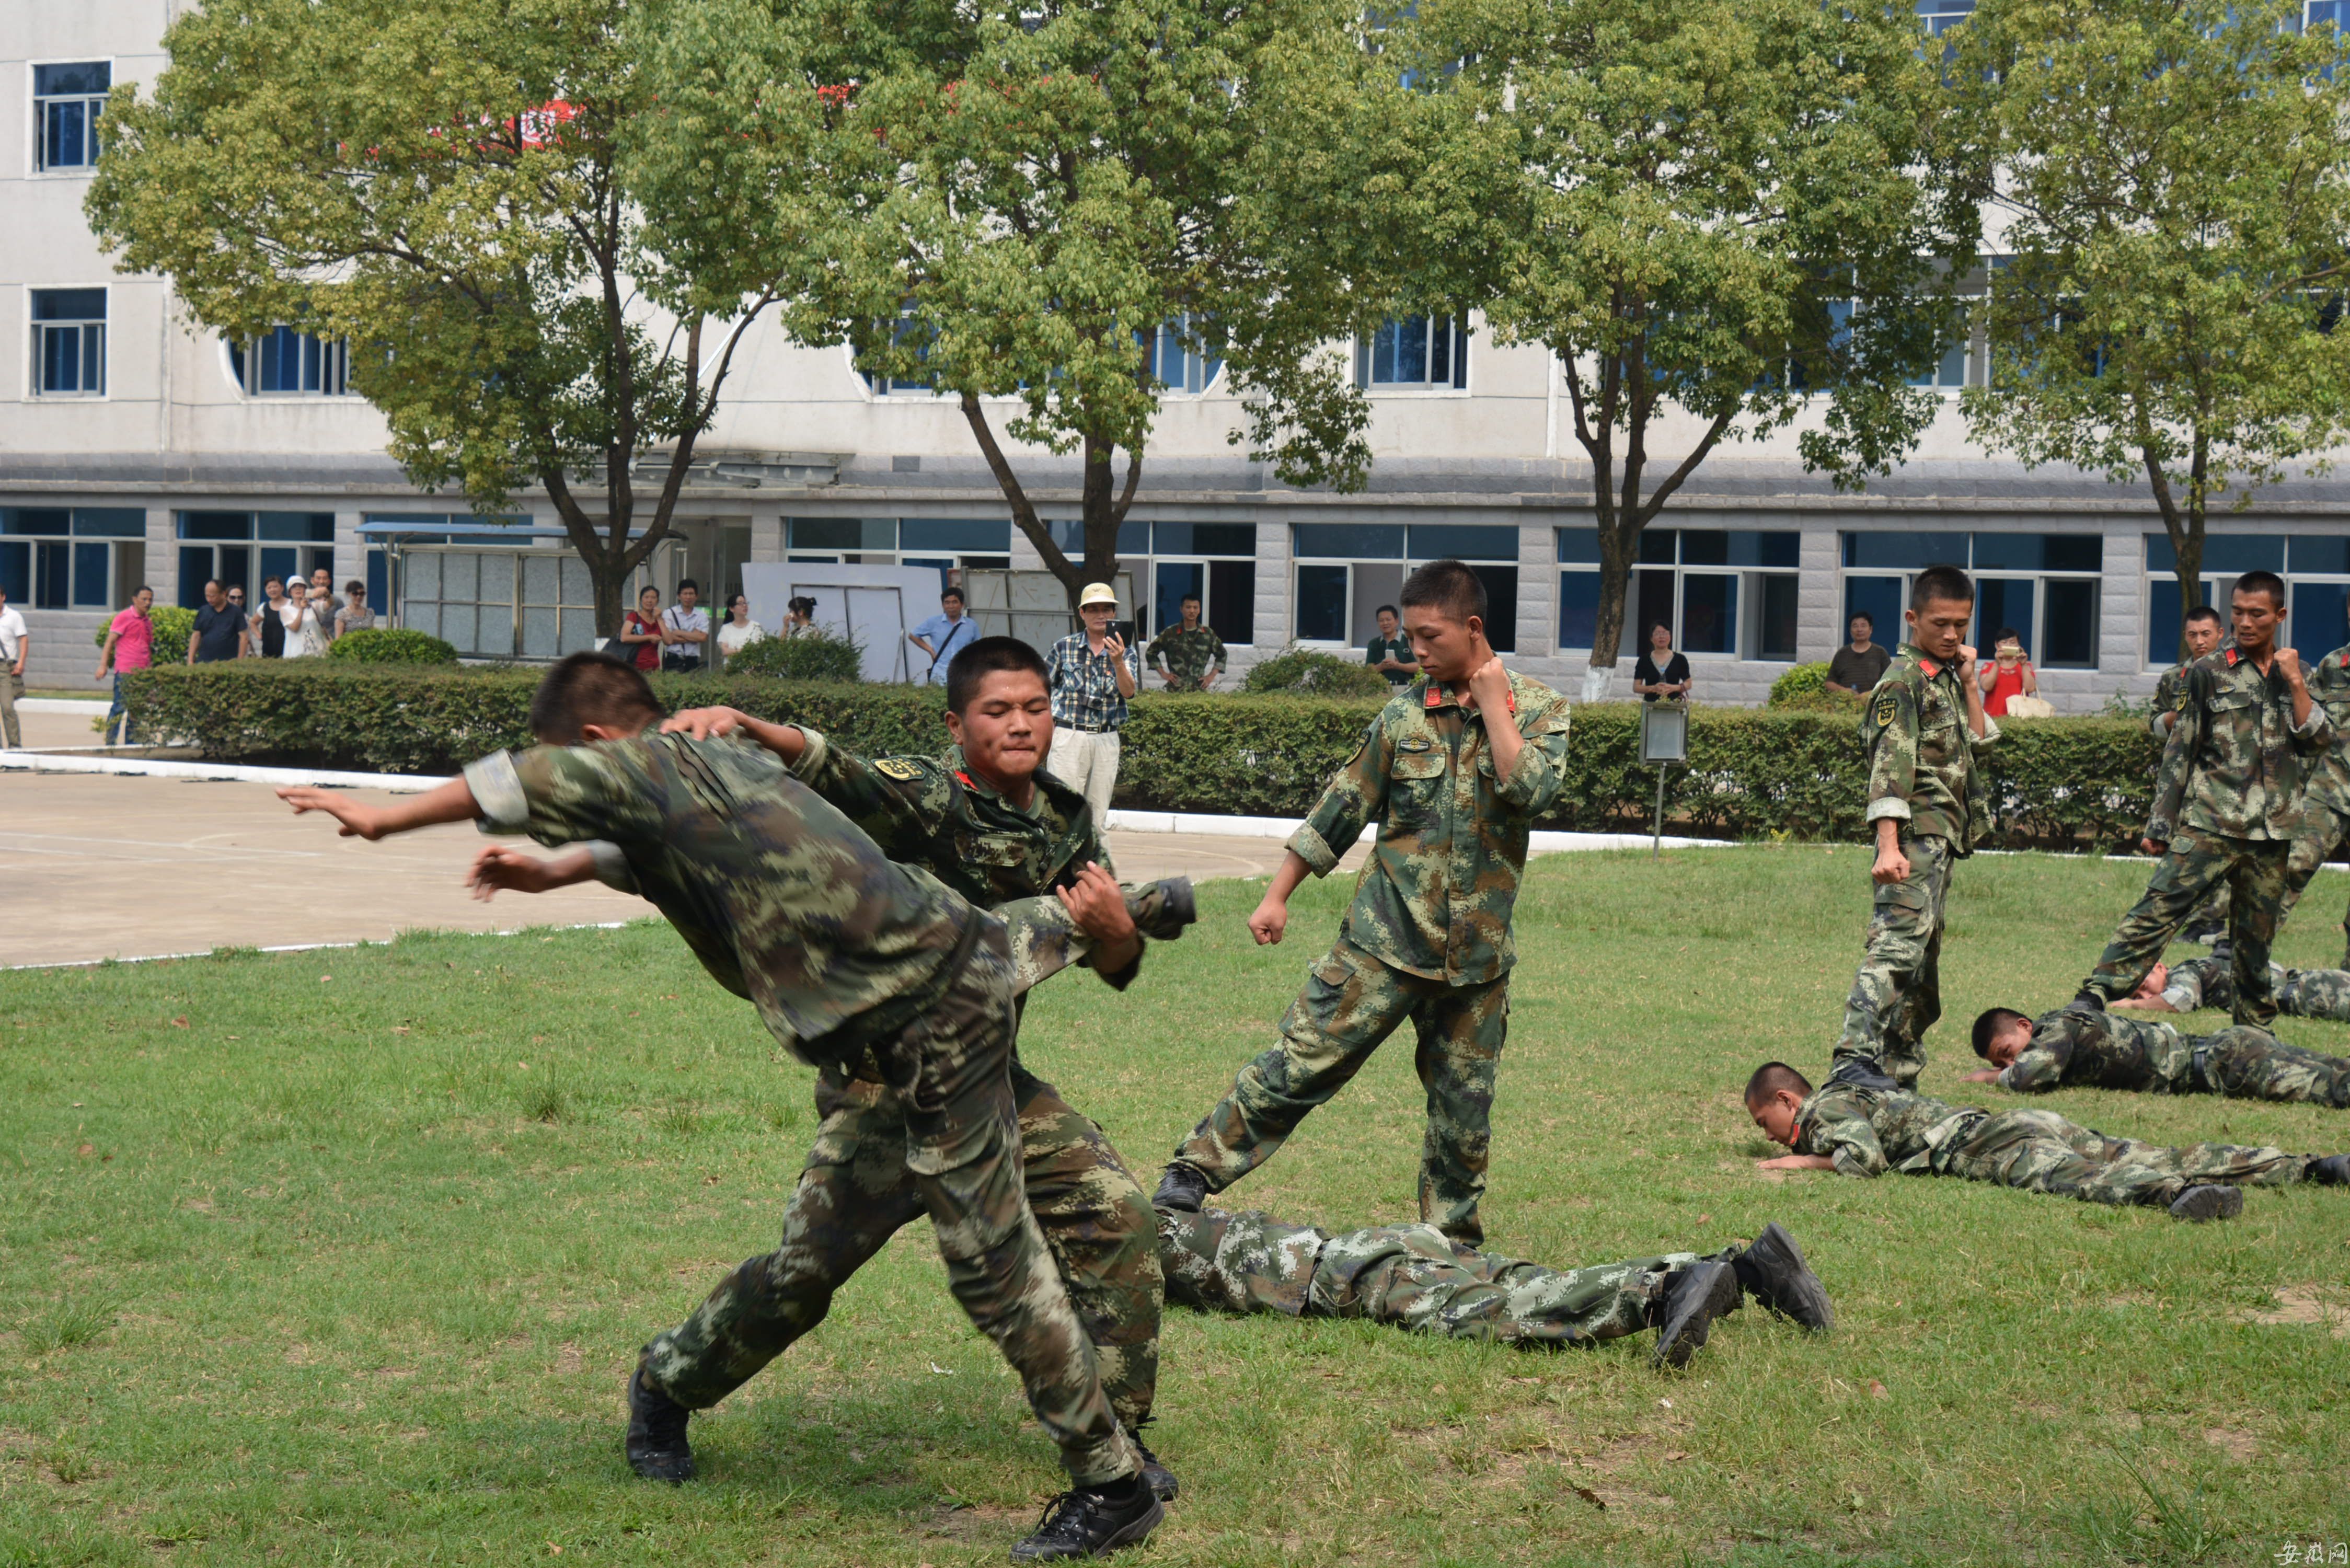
(77, 557)
(1694, 580)
(1344, 571)
(1216, 563)
(2316, 569)
(289, 364)
(1178, 358)
(66, 102)
(499, 604)
(68, 342)
(244, 549)
(1414, 354)
(2045, 586)
(952, 545)
(907, 330)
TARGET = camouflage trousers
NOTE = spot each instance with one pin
(1898, 994)
(931, 1126)
(2248, 1063)
(2322, 829)
(1408, 1275)
(1351, 1004)
(2253, 870)
(2040, 1151)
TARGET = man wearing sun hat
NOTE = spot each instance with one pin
(1091, 674)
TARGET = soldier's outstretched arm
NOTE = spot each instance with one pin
(451, 802)
(1081, 927)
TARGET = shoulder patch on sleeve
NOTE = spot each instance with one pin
(1886, 706)
(896, 768)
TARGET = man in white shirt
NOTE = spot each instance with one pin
(14, 642)
(943, 636)
(684, 629)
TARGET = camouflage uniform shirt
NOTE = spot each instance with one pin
(2329, 688)
(2235, 762)
(1868, 1125)
(935, 812)
(1435, 897)
(784, 902)
(1921, 754)
(2107, 1050)
(1190, 654)
(2165, 702)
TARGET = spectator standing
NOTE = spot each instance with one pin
(1859, 664)
(740, 631)
(322, 601)
(1092, 673)
(236, 603)
(2007, 673)
(1389, 652)
(943, 636)
(640, 633)
(1193, 655)
(14, 642)
(305, 629)
(1661, 674)
(221, 633)
(799, 617)
(268, 621)
(685, 627)
(129, 645)
(354, 616)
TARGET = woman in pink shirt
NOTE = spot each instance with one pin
(129, 645)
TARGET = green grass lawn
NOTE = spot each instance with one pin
(342, 1257)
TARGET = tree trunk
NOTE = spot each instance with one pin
(1616, 546)
(2184, 524)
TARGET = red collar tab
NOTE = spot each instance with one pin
(1928, 666)
(2232, 657)
(966, 778)
(1437, 696)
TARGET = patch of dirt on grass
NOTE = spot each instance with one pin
(2306, 1305)
(975, 1522)
(2240, 1446)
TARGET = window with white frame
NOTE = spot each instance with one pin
(1214, 562)
(77, 557)
(909, 329)
(1414, 354)
(1725, 591)
(1180, 357)
(244, 549)
(68, 342)
(2316, 573)
(1344, 572)
(951, 545)
(2043, 586)
(68, 98)
(284, 363)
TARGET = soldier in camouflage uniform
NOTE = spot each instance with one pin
(951, 814)
(1452, 771)
(2211, 982)
(1862, 1123)
(870, 972)
(2200, 633)
(1923, 728)
(1413, 1277)
(1193, 654)
(2325, 799)
(2084, 1047)
(2227, 804)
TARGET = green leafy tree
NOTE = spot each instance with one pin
(1723, 219)
(437, 180)
(2174, 182)
(1009, 204)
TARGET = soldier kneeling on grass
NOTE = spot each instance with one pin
(1862, 1123)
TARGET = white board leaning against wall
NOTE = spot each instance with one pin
(873, 607)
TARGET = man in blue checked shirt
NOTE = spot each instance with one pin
(1091, 673)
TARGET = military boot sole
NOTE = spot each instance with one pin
(1705, 1291)
(2216, 1201)
(1180, 1188)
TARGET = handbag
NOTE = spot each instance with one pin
(2030, 708)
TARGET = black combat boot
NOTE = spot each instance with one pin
(2088, 1001)
(1157, 1476)
(1694, 1297)
(1773, 1273)
(1087, 1522)
(2213, 1201)
(2334, 1170)
(656, 1444)
(1163, 908)
(1181, 1188)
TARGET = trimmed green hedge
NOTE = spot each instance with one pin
(2055, 782)
(390, 645)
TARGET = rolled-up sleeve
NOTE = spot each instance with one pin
(1983, 742)
(497, 790)
(2036, 1072)
(568, 794)
(1846, 1138)
(1356, 795)
(1536, 785)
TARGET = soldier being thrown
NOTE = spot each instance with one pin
(1454, 771)
(1412, 1277)
(1923, 728)
(2085, 1047)
(990, 823)
(2227, 804)
(1862, 1123)
(869, 971)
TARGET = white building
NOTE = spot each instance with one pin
(133, 449)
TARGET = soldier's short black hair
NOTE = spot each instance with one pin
(2267, 583)
(1448, 586)
(2201, 612)
(590, 687)
(1773, 1077)
(1990, 1022)
(1947, 584)
(986, 656)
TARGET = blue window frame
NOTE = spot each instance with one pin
(1414, 353)
(284, 363)
(66, 102)
(69, 342)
